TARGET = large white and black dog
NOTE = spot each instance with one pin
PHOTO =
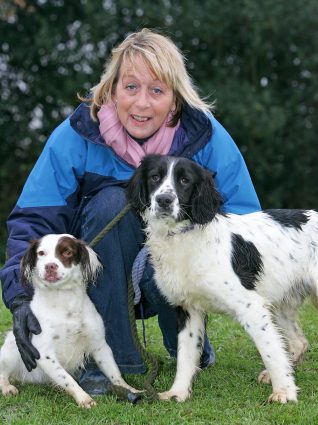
(59, 267)
(255, 267)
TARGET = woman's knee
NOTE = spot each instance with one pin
(107, 203)
(101, 210)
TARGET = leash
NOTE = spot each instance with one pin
(148, 358)
(111, 224)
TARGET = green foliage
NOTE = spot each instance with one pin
(224, 394)
(5, 321)
(257, 59)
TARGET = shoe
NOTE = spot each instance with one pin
(205, 363)
(94, 382)
(207, 359)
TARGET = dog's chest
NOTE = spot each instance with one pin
(182, 266)
(63, 330)
(68, 328)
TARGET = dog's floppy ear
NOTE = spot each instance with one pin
(206, 200)
(89, 262)
(28, 263)
(137, 190)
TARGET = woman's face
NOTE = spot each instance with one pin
(142, 101)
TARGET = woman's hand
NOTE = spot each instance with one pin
(24, 323)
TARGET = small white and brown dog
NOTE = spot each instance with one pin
(257, 267)
(59, 268)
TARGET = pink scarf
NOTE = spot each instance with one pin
(124, 145)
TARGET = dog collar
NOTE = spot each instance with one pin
(184, 229)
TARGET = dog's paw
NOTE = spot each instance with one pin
(283, 396)
(9, 390)
(264, 378)
(87, 402)
(175, 395)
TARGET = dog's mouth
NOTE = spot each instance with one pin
(166, 215)
(161, 212)
(51, 277)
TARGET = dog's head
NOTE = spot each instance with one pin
(58, 260)
(176, 188)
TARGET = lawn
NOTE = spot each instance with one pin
(226, 393)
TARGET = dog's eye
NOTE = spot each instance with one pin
(41, 253)
(155, 177)
(67, 253)
(184, 180)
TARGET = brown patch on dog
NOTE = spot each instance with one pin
(68, 251)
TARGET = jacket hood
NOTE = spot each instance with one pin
(195, 125)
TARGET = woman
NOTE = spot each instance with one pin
(144, 103)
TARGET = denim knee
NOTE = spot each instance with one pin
(105, 205)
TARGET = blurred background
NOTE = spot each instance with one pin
(257, 59)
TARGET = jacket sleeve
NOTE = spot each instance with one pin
(47, 203)
(223, 158)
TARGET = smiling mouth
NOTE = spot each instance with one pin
(51, 278)
(139, 118)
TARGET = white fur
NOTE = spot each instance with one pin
(71, 329)
(193, 270)
(167, 187)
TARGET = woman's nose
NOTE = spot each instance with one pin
(143, 99)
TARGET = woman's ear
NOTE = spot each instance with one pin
(206, 200)
(174, 105)
(114, 99)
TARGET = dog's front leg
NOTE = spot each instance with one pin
(190, 344)
(53, 369)
(104, 359)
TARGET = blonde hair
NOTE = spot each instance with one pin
(163, 58)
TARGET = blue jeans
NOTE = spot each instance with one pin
(117, 251)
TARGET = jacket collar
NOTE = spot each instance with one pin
(196, 125)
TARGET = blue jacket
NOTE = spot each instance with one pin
(76, 163)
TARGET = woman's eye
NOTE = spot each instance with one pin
(41, 253)
(155, 178)
(157, 90)
(131, 87)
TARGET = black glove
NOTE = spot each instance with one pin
(24, 323)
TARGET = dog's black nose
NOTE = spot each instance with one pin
(165, 200)
(51, 267)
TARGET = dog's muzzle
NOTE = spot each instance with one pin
(165, 204)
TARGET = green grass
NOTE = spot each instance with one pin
(224, 394)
